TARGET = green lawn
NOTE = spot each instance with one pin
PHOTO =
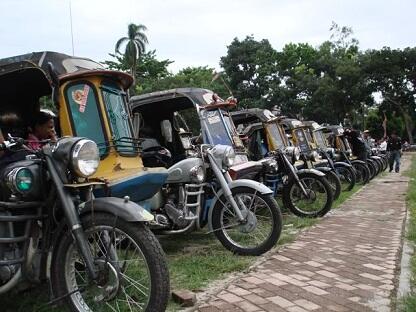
(409, 303)
(195, 260)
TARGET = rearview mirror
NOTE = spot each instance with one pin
(166, 129)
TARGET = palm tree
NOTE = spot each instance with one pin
(135, 45)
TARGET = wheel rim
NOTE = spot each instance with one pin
(124, 257)
(316, 199)
(258, 226)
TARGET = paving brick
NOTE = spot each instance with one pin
(341, 264)
(281, 302)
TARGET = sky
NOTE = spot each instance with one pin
(197, 32)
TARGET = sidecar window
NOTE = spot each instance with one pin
(215, 128)
(86, 120)
(114, 101)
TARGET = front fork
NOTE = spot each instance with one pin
(73, 220)
(295, 176)
(224, 178)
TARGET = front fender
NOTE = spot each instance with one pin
(323, 169)
(125, 209)
(257, 186)
(339, 164)
(357, 161)
(314, 171)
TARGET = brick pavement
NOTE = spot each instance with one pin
(348, 262)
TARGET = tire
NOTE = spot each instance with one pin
(266, 204)
(68, 270)
(335, 183)
(315, 208)
(372, 167)
(362, 173)
(347, 177)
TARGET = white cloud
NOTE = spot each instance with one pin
(196, 33)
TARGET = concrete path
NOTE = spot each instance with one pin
(348, 262)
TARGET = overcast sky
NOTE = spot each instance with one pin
(197, 32)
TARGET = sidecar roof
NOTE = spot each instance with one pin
(174, 100)
(29, 72)
(252, 115)
(291, 123)
(314, 125)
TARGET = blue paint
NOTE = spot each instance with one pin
(138, 188)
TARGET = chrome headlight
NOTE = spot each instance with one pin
(331, 152)
(85, 158)
(314, 156)
(229, 157)
(197, 174)
(20, 180)
(297, 153)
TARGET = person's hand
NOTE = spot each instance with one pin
(52, 135)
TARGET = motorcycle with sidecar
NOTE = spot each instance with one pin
(182, 129)
(344, 171)
(300, 136)
(336, 138)
(95, 253)
(304, 191)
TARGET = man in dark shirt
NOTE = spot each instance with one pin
(359, 148)
(394, 146)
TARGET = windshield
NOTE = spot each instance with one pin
(275, 136)
(118, 117)
(301, 140)
(86, 120)
(216, 130)
(320, 138)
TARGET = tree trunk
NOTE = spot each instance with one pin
(408, 122)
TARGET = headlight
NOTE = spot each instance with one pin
(272, 166)
(20, 180)
(314, 156)
(330, 151)
(229, 157)
(85, 158)
(297, 153)
(197, 174)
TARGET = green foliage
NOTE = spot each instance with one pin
(251, 67)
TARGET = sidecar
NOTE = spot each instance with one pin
(91, 102)
(178, 119)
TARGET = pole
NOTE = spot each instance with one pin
(72, 33)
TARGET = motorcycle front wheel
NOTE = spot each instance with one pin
(131, 267)
(261, 227)
(315, 203)
(362, 173)
(347, 177)
(335, 183)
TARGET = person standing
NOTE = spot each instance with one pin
(394, 146)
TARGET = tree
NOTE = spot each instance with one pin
(135, 45)
(393, 74)
(251, 67)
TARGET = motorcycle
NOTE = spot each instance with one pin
(242, 214)
(95, 253)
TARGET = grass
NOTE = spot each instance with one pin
(195, 260)
(408, 303)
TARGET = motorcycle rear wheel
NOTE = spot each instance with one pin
(261, 229)
(133, 274)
